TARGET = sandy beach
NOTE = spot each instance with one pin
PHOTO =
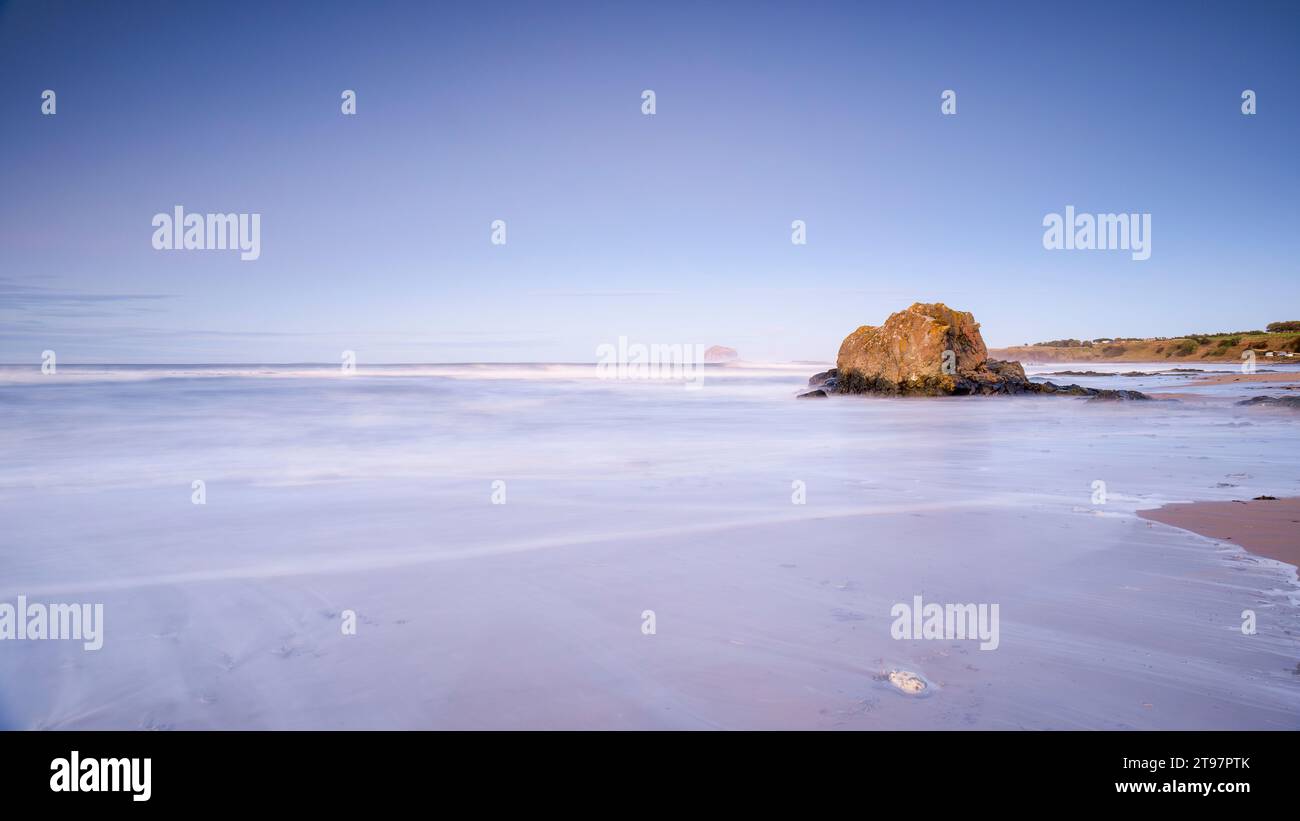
(1249, 378)
(1268, 528)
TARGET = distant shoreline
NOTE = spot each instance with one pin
(1036, 355)
(1284, 347)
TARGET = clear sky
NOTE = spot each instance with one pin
(670, 228)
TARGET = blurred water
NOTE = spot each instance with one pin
(373, 491)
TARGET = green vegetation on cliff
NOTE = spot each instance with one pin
(1281, 338)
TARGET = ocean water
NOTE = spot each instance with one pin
(770, 537)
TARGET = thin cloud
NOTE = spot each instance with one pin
(18, 296)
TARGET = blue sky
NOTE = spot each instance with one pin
(666, 228)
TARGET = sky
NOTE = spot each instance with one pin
(666, 228)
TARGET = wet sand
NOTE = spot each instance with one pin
(1269, 528)
(1229, 378)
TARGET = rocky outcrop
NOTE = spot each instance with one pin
(720, 353)
(921, 348)
(932, 350)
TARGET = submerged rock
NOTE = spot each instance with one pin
(1292, 402)
(1102, 373)
(933, 350)
(1118, 396)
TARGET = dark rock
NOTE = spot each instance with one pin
(817, 394)
(1096, 394)
(825, 379)
(1101, 373)
(1292, 402)
(993, 376)
(1119, 396)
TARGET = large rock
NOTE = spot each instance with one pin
(908, 351)
(927, 349)
(932, 350)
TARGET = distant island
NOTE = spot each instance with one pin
(1280, 341)
(720, 353)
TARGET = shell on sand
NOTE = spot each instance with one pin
(909, 683)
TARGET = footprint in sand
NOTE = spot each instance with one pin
(288, 651)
